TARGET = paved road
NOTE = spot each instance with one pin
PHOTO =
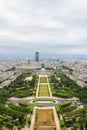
(17, 101)
(29, 100)
(46, 105)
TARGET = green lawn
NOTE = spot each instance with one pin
(44, 115)
(43, 90)
(43, 79)
(44, 93)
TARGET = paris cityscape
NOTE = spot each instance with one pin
(43, 65)
(30, 90)
(78, 68)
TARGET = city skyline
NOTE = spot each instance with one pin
(53, 28)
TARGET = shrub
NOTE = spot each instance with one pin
(69, 108)
(66, 104)
(23, 104)
(57, 108)
(18, 108)
(62, 124)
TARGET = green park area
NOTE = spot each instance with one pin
(74, 117)
(19, 87)
(16, 115)
(13, 115)
(67, 88)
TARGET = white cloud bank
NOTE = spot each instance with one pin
(45, 25)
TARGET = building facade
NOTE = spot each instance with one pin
(36, 56)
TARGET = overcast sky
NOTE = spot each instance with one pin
(52, 27)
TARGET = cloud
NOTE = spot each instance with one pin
(43, 25)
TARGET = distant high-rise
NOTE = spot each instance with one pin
(29, 61)
(36, 56)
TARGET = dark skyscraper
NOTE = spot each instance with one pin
(36, 56)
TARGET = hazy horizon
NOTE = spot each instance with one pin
(54, 28)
